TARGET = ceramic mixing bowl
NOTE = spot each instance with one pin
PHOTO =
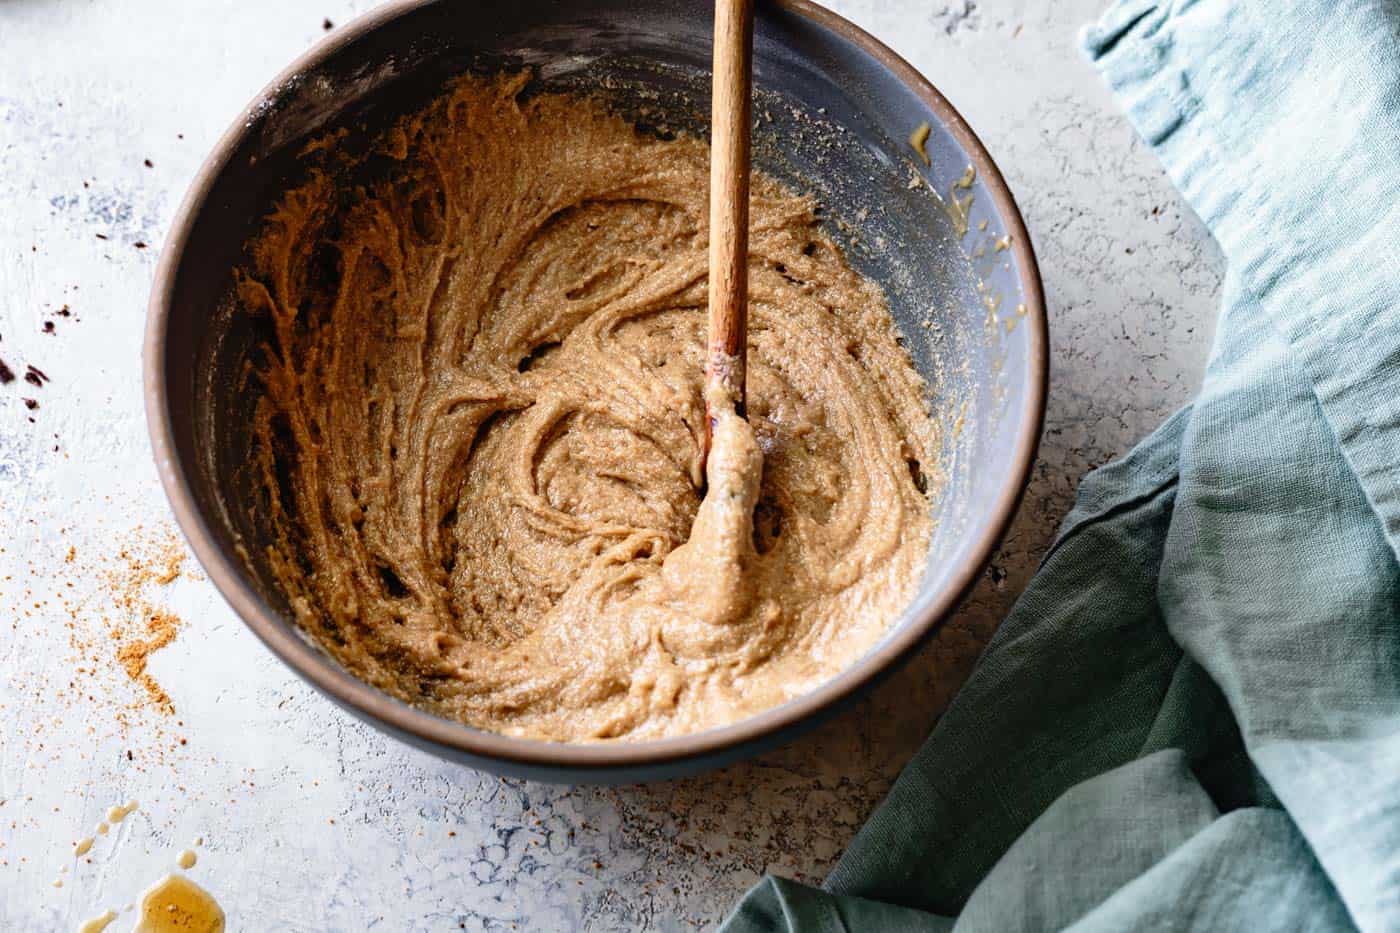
(834, 115)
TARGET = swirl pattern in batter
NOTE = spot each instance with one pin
(478, 433)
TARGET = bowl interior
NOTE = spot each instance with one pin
(831, 118)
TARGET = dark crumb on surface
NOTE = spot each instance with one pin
(64, 311)
(139, 244)
(148, 163)
(7, 375)
(31, 403)
(327, 25)
(48, 327)
(35, 375)
(101, 236)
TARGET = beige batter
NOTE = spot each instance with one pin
(481, 419)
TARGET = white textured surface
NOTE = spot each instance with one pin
(310, 820)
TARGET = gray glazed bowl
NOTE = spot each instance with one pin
(834, 112)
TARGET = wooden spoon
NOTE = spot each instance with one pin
(730, 119)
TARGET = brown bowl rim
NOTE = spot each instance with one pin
(321, 671)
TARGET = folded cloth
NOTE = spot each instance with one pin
(1191, 718)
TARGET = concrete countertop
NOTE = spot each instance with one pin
(312, 821)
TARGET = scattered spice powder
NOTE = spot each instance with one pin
(133, 655)
(102, 598)
(157, 563)
(168, 565)
(135, 626)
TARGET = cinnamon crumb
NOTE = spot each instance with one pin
(161, 627)
(170, 562)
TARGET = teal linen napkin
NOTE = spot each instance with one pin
(1191, 718)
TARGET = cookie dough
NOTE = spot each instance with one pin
(479, 428)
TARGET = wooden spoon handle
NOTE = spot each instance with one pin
(730, 120)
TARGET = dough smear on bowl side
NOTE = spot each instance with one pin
(480, 413)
